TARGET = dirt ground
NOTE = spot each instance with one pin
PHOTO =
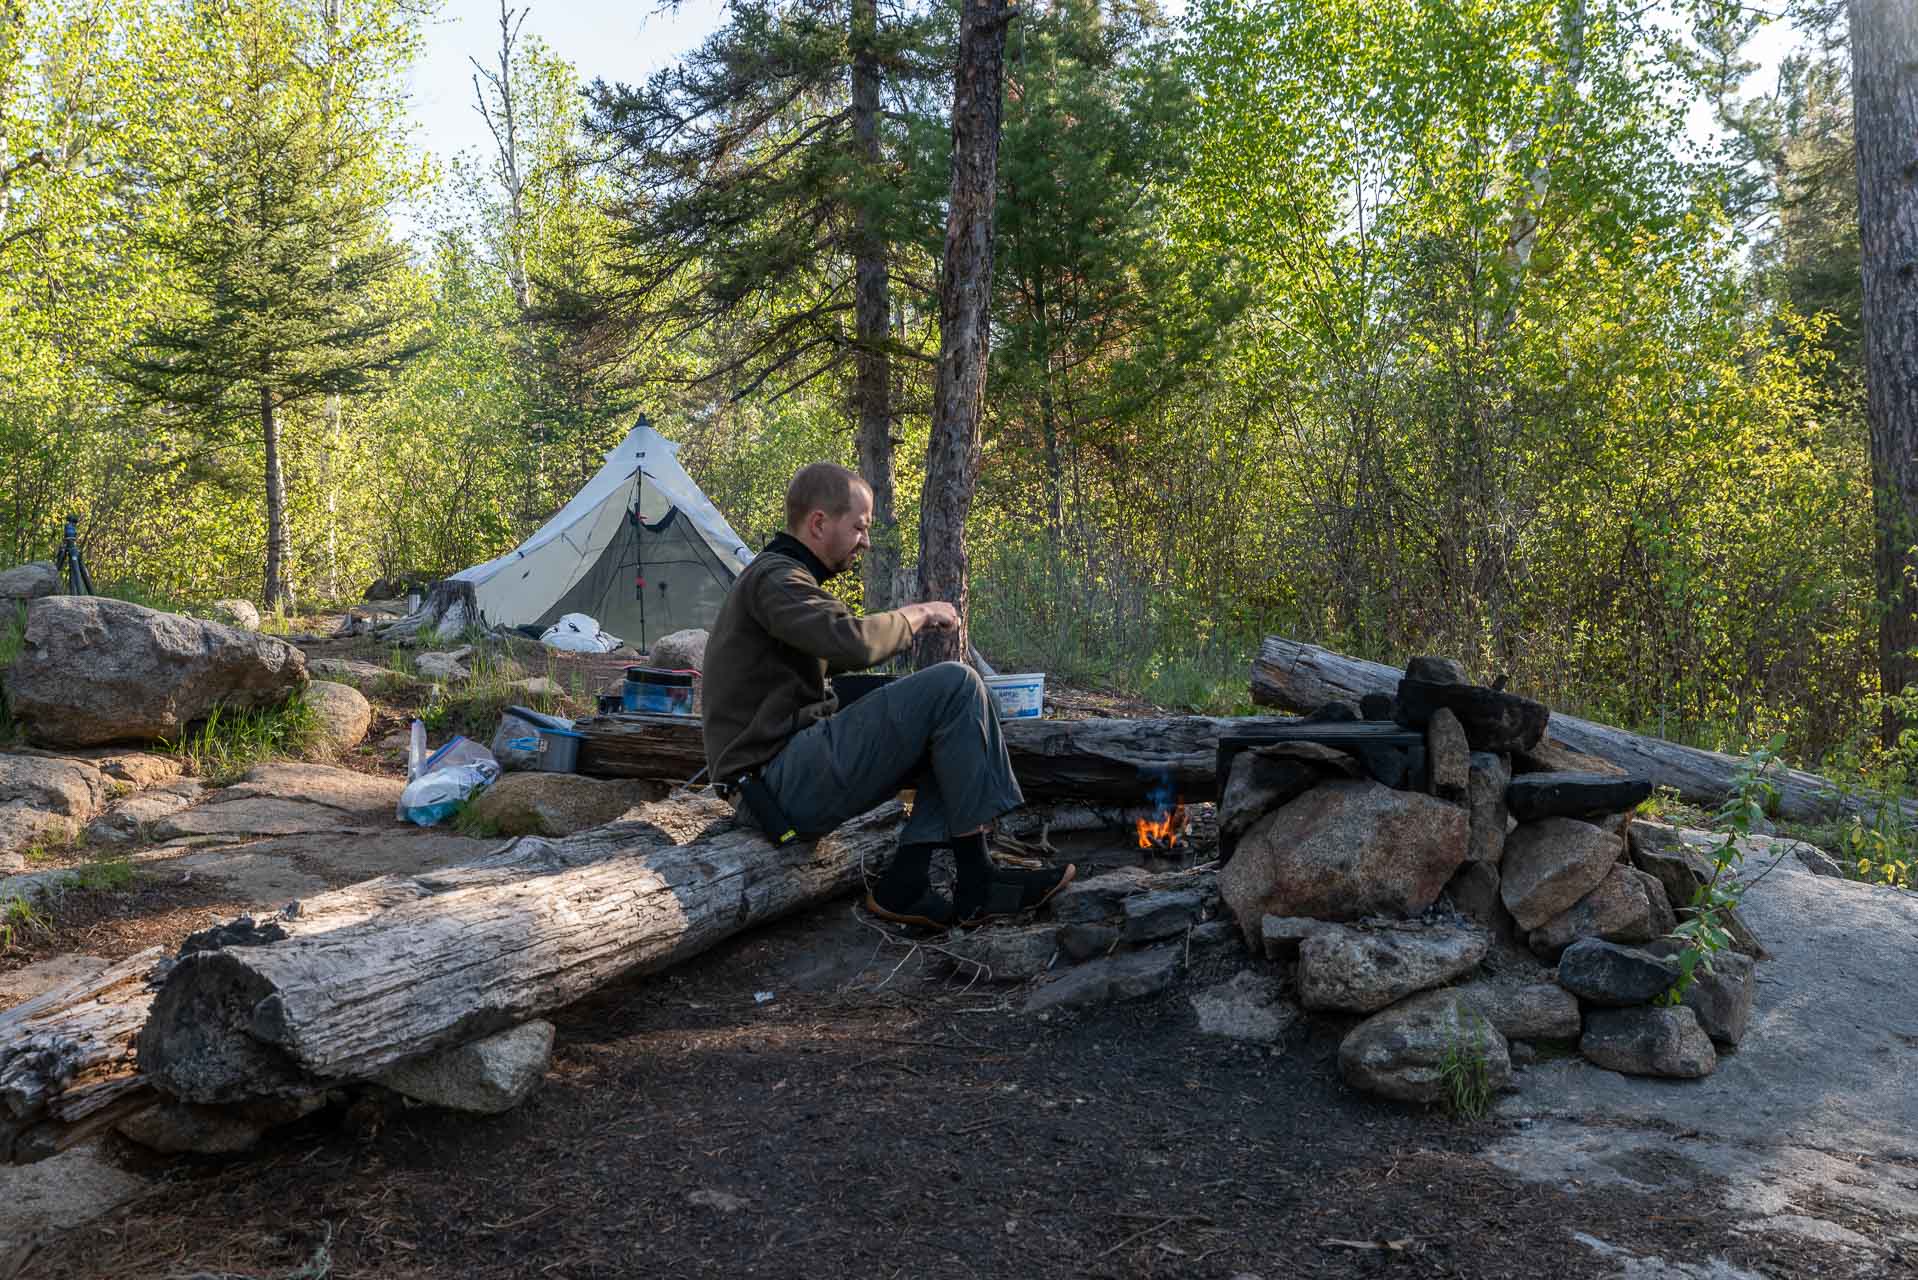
(823, 1098)
(880, 1118)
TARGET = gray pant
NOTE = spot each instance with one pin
(936, 730)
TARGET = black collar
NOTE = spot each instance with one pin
(785, 544)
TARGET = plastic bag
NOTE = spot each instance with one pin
(446, 779)
(579, 633)
(516, 741)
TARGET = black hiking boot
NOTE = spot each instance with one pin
(930, 910)
(1009, 892)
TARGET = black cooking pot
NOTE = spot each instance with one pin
(852, 687)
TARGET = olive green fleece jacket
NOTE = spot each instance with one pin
(777, 637)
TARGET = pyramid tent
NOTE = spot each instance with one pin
(640, 549)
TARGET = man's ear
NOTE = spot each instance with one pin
(815, 525)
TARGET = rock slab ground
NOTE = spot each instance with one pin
(1812, 1124)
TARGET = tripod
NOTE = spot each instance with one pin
(78, 581)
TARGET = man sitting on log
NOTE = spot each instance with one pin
(776, 748)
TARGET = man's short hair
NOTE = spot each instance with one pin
(820, 486)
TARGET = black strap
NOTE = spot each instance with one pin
(766, 811)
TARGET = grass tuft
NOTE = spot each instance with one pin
(18, 918)
(1466, 1073)
(227, 743)
(111, 875)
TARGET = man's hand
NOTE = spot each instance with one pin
(934, 615)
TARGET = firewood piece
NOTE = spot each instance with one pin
(1097, 761)
(1532, 796)
(1493, 721)
(1297, 676)
(280, 1020)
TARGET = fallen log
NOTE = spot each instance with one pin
(1111, 762)
(67, 1054)
(1300, 677)
(282, 1020)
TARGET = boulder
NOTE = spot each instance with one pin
(1485, 787)
(1664, 919)
(1532, 796)
(1124, 975)
(134, 816)
(1448, 757)
(1678, 861)
(1817, 861)
(486, 1076)
(235, 613)
(1648, 1041)
(22, 826)
(680, 651)
(175, 1128)
(995, 954)
(538, 687)
(1361, 971)
(1722, 999)
(1099, 898)
(556, 804)
(1550, 865)
(1494, 720)
(1619, 910)
(1605, 973)
(1378, 707)
(137, 769)
(1344, 850)
(28, 581)
(344, 714)
(1160, 913)
(1437, 671)
(1525, 1011)
(1474, 891)
(1081, 942)
(94, 670)
(70, 788)
(1281, 935)
(1247, 1006)
(445, 666)
(1265, 778)
(1401, 1052)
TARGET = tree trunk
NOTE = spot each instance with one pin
(274, 592)
(1884, 84)
(1300, 677)
(281, 1020)
(965, 295)
(872, 317)
(1114, 762)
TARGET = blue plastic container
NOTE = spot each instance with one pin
(559, 750)
(656, 691)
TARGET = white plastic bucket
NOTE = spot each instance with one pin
(1020, 697)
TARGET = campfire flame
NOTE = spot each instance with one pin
(1165, 831)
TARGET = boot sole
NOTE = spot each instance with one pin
(1072, 870)
(900, 917)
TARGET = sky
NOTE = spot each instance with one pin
(629, 41)
(617, 41)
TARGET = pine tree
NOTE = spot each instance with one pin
(764, 195)
(281, 249)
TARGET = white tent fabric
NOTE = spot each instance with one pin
(578, 551)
